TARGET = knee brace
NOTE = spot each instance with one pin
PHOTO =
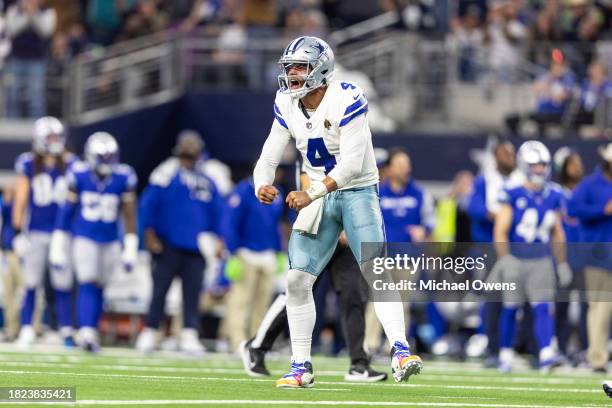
(299, 287)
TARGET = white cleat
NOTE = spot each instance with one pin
(145, 343)
(190, 343)
(27, 337)
(477, 345)
(404, 364)
(87, 339)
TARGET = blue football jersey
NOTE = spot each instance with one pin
(412, 206)
(534, 214)
(99, 200)
(47, 190)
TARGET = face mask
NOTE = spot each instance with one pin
(187, 156)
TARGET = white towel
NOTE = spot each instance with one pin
(309, 217)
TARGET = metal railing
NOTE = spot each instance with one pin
(416, 80)
(128, 76)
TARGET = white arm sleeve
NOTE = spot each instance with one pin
(354, 140)
(428, 211)
(45, 22)
(272, 151)
(16, 22)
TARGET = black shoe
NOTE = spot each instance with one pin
(607, 387)
(364, 373)
(253, 360)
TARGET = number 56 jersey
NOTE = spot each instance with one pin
(319, 135)
(99, 200)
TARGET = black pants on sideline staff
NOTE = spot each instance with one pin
(187, 265)
(352, 290)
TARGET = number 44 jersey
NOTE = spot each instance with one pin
(534, 214)
(318, 135)
(99, 200)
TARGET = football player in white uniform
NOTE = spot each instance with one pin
(327, 119)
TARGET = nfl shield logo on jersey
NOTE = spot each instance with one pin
(308, 125)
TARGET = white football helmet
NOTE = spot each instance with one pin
(560, 157)
(102, 152)
(49, 136)
(605, 152)
(319, 58)
(530, 154)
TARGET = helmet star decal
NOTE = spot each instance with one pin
(319, 47)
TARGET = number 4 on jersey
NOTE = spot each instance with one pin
(319, 156)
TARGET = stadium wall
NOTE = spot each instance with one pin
(235, 125)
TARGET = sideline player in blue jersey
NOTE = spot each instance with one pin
(529, 217)
(98, 189)
(40, 188)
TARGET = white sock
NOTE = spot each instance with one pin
(301, 324)
(66, 331)
(88, 334)
(301, 313)
(547, 353)
(506, 355)
(391, 316)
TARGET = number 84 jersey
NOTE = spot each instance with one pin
(47, 189)
(99, 200)
(318, 135)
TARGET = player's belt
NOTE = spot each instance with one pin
(362, 188)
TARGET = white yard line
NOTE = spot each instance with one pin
(231, 362)
(236, 371)
(293, 403)
(184, 378)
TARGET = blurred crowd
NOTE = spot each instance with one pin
(39, 37)
(552, 44)
(507, 37)
(496, 42)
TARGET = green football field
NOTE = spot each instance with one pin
(121, 377)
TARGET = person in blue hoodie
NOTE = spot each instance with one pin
(591, 203)
(180, 212)
(408, 210)
(252, 235)
(409, 216)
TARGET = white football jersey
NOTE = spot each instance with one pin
(318, 137)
